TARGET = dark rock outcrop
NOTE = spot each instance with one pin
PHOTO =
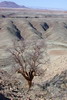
(15, 31)
(45, 26)
(35, 30)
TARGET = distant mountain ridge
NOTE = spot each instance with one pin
(9, 4)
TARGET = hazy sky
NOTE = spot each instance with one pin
(57, 4)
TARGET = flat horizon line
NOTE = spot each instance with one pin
(48, 9)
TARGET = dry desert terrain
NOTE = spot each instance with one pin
(33, 26)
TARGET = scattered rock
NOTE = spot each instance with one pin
(57, 87)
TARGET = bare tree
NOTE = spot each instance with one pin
(27, 59)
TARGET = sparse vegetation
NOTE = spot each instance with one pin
(28, 60)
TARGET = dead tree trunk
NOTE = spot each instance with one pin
(28, 76)
(24, 59)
